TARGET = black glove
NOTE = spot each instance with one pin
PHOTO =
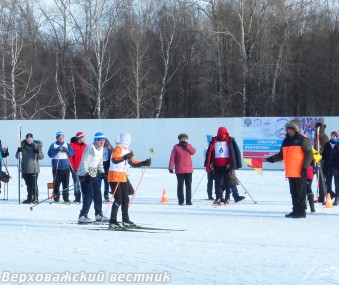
(303, 172)
(270, 159)
(5, 153)
(36, 151)
(229, 166)
(103, 175)
(65, 149)
(59, 148)
(128, 156)
(146, 162)
(19, 149)
(183, 144)
(87, 178)
(212, 166)
(170, 170)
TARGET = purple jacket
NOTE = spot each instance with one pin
(181, 159)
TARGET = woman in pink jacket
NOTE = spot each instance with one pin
(181, 161)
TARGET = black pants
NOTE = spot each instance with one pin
(298, 193)
(90, 191)
(210, 177)
(120, 199)
(61, 176)
(222, 177)
(32, 187)
(187, 178)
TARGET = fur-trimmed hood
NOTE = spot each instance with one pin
(293, 124)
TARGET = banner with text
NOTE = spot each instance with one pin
(263, 136)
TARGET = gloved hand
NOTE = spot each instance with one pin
(229, 166)
(19, 149)
(87, 178)
(146, 162)
(36, 151)
(212, 166)
(303, 172)
(270, 159)
(65, 149)
(103, 175)
(5, 154)
(128, 156)
(59, 148)
(170, 170)
(183, 144)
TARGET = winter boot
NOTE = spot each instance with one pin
(113, 225)
(84, 220)
(336, 202)
(129, 223)
(311, 201)
(300, 214)
(100, 218)
(290, 215)
(237, 197)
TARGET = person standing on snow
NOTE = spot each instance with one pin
(323, 139)
(296, 151)
(326, 159)
(181, 161)
(91, 166)
(222, 157)
(31, 154)
(3, 153)
(78, 144)
(107, 153)
(122, 158)
(334, 169)
(210, 175)
(60, 151)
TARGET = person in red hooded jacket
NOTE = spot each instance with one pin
(181, 161)
(223, 156)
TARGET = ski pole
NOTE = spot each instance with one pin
(246, 191)
(198, 183)
(58, 195)
(136, 189)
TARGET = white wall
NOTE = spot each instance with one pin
(159, 134)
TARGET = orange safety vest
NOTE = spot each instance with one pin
(293, 160)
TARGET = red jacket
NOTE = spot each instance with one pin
(181, 159)
(78, 151)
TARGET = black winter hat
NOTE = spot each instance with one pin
(29, 135)
(182, 137)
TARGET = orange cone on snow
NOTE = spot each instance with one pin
(328, 201)
(164, 197)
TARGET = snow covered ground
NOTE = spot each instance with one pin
(243, 243)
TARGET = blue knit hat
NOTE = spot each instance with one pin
(209, 138)
(58, 134)
(99, 136)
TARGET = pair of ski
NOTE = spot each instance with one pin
(130, 228)
(61, 202)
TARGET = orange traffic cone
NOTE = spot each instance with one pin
(164, 197)
(328, 201)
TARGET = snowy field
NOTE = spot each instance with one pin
(243, 243)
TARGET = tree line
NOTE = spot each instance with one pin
(70, 59)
